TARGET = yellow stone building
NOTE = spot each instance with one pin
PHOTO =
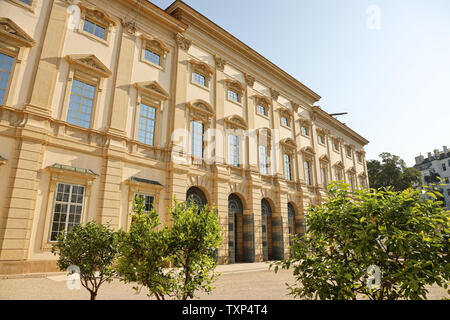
(101, 98)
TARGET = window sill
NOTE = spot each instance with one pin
(206, 88)
(93, 37)
(263, 116)
(235, 102)
(154, 65)
(28, 7)
(286, 127)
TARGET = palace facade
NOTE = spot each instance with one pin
(102, 99)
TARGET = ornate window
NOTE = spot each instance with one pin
(363, 180)
(336, 143)
(351, 173)
(321, 136)
(201, 73)
(235, 126)
(359, 156)
(324, 163)
(85, 79)
(263, 104)
(288, 147)
(13, 43)
(285, 117)
(264, 147)
(96, 23)
(234, 150)
(197, 196)
(148, 201)
(68, 200)
(149, 105)
(200, 116)
(235, 91)
(27, 4)
(339, 171)
(308, 159)
(348, 151)
(154, 52)
(305, 127)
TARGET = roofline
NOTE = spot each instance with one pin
(178, 4)
(159, 14)
(339, 125)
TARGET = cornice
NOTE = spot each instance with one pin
(317, 112)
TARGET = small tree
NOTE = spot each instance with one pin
(92, 248)
(194, 238)
(401, 233)
(143, 252)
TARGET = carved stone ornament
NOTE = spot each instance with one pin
(274, 94)
(250, 80)
(182, 42)
(129, 26)
(220, 63)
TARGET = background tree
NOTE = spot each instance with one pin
(403, 234)
(92, 248)
(392, 172)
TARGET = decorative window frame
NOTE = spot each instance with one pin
(99, 17)
(265, 135)
(235, 125)
(305, 123)
(285, 113)
(201, 111)
(157, 46)
(308, 155)
(265, 102)
(348, 147)
(323, 133)
(14, 42)
(360, 156)
(362, 177)
(237, 87)
(338, 141)
(30, 7)
(339, 167)
(203, 69)
(351, 174)
(324, 163)
(153, 190)
(152, 94)
(88, 69)
(289, 147)
(57, 174)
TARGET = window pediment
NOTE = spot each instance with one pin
(13, 33)
(153, 89)
(351, 170)
(201, 109)
(234, 85)
(339, 165)
(262, 100)
(324, 158)
(97, 14)
(288, 143)
(155, 45)
(90, 63)
(308, 152)
(305, 122)
(236, 121)
(202, 67)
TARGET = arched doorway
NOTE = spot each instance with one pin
(197, 196)
(266, 214)
(235, 229)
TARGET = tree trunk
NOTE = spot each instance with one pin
(93, 295)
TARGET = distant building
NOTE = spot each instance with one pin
(435, 166)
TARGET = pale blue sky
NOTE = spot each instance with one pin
(394, 82)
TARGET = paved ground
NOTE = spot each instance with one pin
(238, 282)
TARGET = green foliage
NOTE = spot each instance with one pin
(92, 248)
(187, 246)
(143, 252)
(392, 172)
(193, 239)
(404, 234)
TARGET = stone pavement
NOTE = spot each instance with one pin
(237, 282)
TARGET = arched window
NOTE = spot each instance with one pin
(197, 197)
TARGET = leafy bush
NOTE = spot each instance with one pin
(92, 248)
(405, 235)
